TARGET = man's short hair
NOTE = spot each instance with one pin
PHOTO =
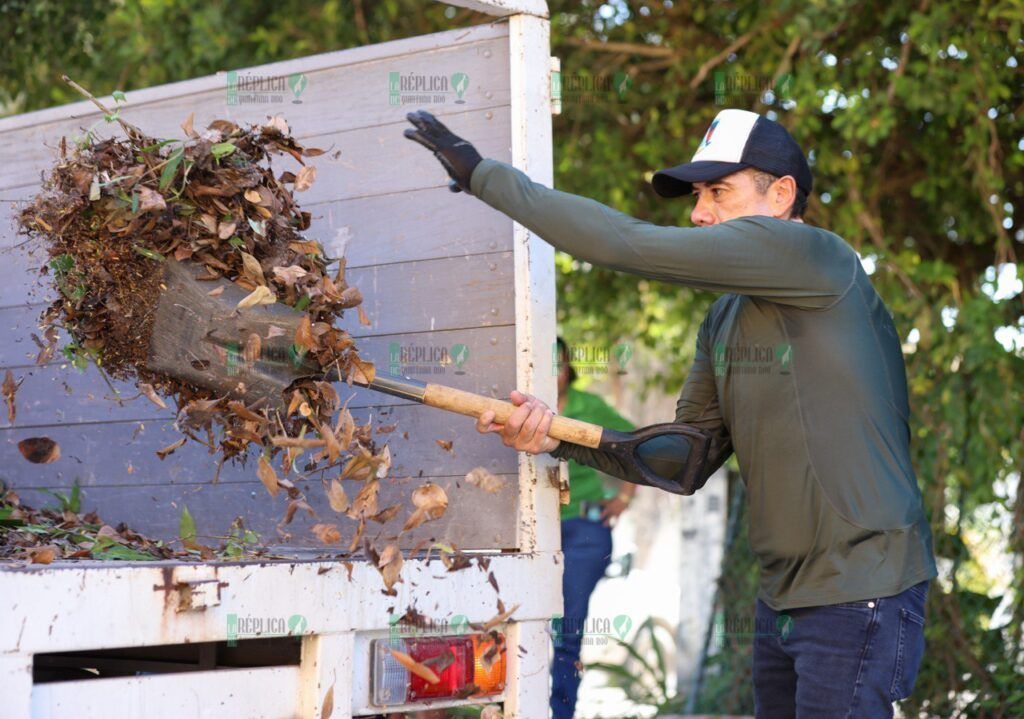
(763, 180)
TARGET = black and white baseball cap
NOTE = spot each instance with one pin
(737, 139)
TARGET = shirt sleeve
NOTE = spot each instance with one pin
(787, 262)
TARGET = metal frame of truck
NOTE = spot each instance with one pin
(89, 605)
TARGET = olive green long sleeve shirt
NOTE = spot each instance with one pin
(798, 370)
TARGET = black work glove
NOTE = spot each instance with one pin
(459, 157)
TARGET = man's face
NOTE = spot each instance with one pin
(736, 195)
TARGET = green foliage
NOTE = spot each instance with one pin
(68, 503)
(644, 675)
(911, 113)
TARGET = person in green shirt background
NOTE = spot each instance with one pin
(586, 535)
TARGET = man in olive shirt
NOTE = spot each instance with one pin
(798, 370)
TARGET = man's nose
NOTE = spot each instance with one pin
(701, 215)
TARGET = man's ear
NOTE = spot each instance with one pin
(782, 195)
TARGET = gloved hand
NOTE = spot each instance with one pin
(459, 157)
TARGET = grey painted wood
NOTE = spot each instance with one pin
(124, 453)
(436, 270)
(339, 99)
(474, 518)
(365, 162)
(60, 394)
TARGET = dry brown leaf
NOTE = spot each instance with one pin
(252, 349)
(304, 338)
(445, 444)
(151, 395)
(226, 229)
(480, 477)
(216, 291)
(390, 566)
(187, 125)
(423, 672)
(431, 501)
(327, 533)
(39, 450)
(169, 449)
(262, 295)
(365, 503)
(364, 319)
(336, 496)
(253, 196)
(290, 274)
(387, 514)
(304, 180)
(361, 372)
(327, 707)
(42, 555)
(268, 476)
(251, 268)
(498, 619)
(150, 200)
(10, 389)
(300, 442)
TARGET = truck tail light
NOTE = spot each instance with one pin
(469, 665)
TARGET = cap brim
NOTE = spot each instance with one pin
(679, 180)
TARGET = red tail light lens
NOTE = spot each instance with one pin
(464, 666)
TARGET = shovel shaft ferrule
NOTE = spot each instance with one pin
(404, 387)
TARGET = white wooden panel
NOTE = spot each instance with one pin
(131, 604)
(264, 693)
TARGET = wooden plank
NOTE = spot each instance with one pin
(364, 87)
(420, 45)
(474, 520)
(363, 162)
(124, 453)
(263, 693)
(503, 8)
(418, 225)
(452, 293)
(382, 229)
(60, 394)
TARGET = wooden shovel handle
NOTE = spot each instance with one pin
(473, 405)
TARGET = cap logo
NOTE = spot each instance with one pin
(707, 137)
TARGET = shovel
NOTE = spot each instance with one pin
(200, 339)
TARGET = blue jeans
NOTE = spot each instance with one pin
(587, 551)
(848, 660)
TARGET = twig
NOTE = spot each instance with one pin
(133, 132)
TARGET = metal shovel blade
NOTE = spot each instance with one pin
(206, 341)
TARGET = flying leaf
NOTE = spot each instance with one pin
(151, 395)
(480, 477)
(304, 180)
(169, 449)
(327, 533)
(268, 476)
(390, 566)
(423, 672)
(336, 496)
(304, 334)
(10, 389)
(365, 503)
(39, 450)
(445, 444)
(431, 501)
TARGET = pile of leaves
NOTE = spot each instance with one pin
(114, 211)
(41, 536)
